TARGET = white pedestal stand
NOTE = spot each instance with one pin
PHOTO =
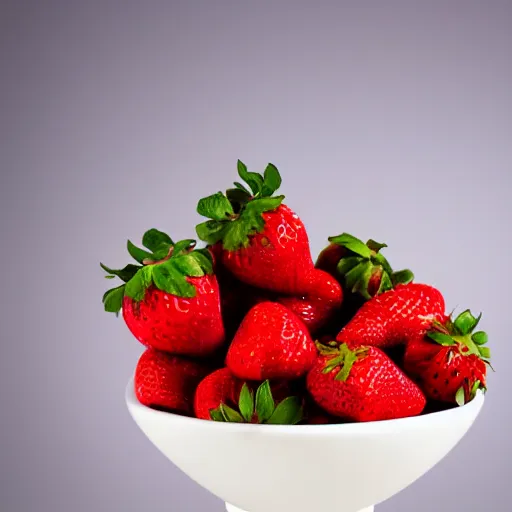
(231, 508)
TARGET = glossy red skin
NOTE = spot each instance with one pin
(323, 300)
(178, 325)
(376, 389)
(222, 386)
(394, 316)
(438, 376)
(277, 259)
(329, 258)
(271, 343)
(167, 382)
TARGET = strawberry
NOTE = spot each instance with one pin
(170, 301)
(321, 303)
(220, 394)
(271, 343)
(449, 362)
(263, 243)
(167, 382)
(362, 385)
(361, 269)
(394, 316)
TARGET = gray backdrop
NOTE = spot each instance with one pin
(388, 119)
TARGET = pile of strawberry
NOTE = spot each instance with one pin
(250, 329)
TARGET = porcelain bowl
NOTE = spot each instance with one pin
(304, 468)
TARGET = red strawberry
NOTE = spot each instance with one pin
(321, 303)
(329, 258)
(449, 363)
(271, 343)
(362, 385)
(315, 415)
(361, 267)
(394, 316)
(167, 382)
(171, 300)
(223, 397)
(263, 242)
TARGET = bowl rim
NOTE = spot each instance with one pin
(470, 409)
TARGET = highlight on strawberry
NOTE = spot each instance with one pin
(247, 329)
(170, 300)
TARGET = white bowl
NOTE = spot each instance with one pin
(304, 468)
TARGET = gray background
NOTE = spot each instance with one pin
(388, 119)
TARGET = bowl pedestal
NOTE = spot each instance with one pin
(231, 508)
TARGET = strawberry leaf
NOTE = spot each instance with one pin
(474, 389)
(385, 283)
(183, 247)
(287, 412)
(361, 284)
(441, 339)
(137, 286)
(254, 180)
(402, 277)
(271, 180)
(357, 273)
(348, 363)
(241, 187)
(345, 265)
(188, 265)
(352, 244)
(138, 254)
(169, 278)
(375, 246)
(246, 403)
(485, 352)
(480, 338)
(216, 207)
(113, 299)
(265, 404)
(203, 258)
(237, 198)
(216, 415)
(211, 231)
(460, 396)
(154, 240)
(465, 323)
(236, 216)
(125, 274)
(230, 414)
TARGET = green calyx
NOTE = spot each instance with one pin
(237, 214)
(364, 263)
(467, 392)
(340, 356)
(163, 264)
(261, 409)
(460, 333)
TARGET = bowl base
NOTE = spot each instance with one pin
(232, 508)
